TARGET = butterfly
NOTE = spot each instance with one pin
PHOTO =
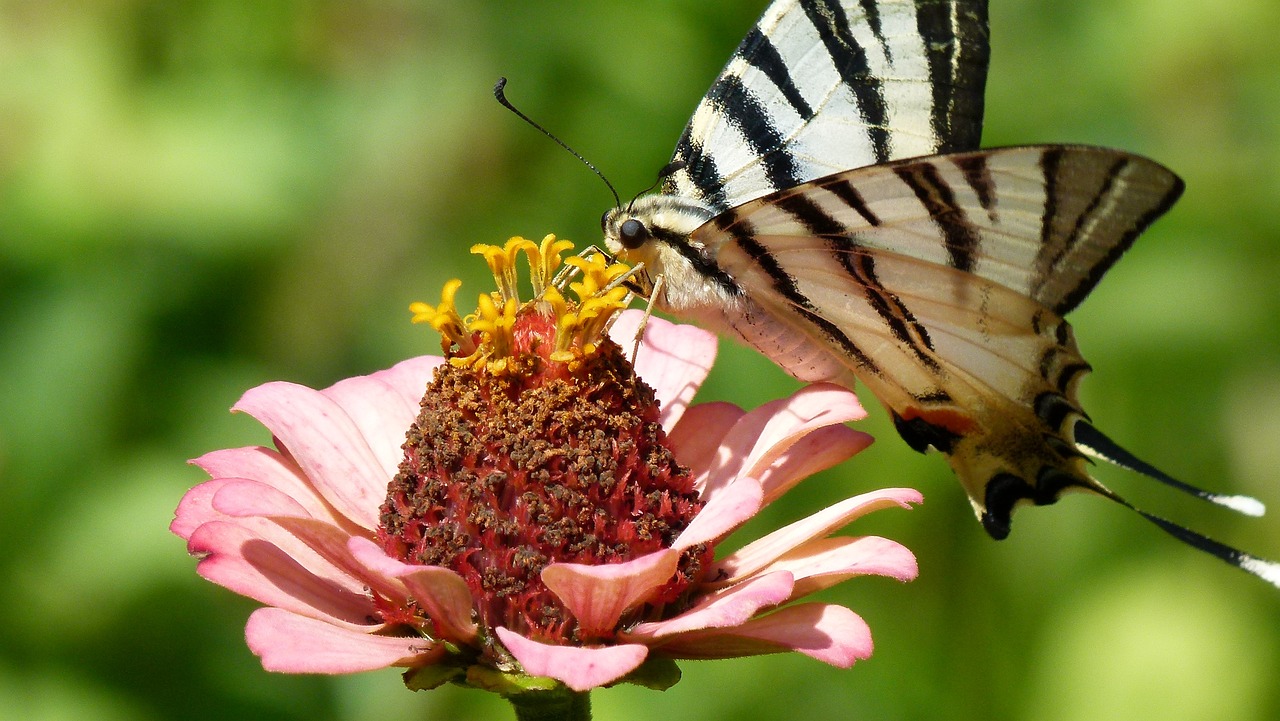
(828, 205)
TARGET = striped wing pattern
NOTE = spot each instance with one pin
(938, 281)
(828, 205)
(819, 86)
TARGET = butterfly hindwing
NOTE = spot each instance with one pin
(820, 86)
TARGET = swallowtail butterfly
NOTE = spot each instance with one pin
(828, 205)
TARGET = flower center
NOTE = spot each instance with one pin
(548, 451)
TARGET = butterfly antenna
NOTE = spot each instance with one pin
(502, 98)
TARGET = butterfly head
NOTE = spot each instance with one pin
(658, 231)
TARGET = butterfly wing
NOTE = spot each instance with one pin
(940, 283)
(820, 86)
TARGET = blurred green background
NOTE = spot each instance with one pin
(197, 197)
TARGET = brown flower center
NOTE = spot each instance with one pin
(546, 461)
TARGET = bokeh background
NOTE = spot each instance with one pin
(198, 197)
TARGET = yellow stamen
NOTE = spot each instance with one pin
(496, 325)
(502, 263)
(578, 325)
(444, 318)
(544, 260)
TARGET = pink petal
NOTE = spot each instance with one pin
(245, 562)
(440, 592)
(817, 451)
(240, 499)
(731, 607)
(673, 359)
(832, 634)
(581, 669)
(723, 513)
(598, 595)
(269, 466)
(331, 543)
(695, 440)
(290, 643)
(196, 508)
(824, 562)
(410, 377)
(760, 553)
(264, 464)
(381, 414)
(767, 432)
(326, 444)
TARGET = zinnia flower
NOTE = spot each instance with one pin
(527, 507)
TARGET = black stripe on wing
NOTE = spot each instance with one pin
(700, 167)
(862, 80)
(760, 52)
(746, 112)
(956, 40)
(846, 192)
(786, 287)
(850, 61)
(1090, 279)
(860, 267)
(962, 239)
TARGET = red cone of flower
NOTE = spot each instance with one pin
(530, 506)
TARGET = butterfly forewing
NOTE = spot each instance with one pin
(820, 86)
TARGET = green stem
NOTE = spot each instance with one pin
(560, 704)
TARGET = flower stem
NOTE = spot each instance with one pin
(560, 704)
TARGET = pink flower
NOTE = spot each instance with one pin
(370, 550)
(293, 529)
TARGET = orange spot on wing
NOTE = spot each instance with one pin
(952, 420)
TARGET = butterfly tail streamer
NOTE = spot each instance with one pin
(1094, 443)
(1268, 571)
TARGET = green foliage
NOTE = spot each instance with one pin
(199, 197)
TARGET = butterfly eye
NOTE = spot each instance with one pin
(604, 221)
(633, 234)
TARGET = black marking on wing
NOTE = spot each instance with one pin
(1090, 279)
(785, 285)
(1069, 372)
(1062, 334)
(844, 190)
(850, 61)
(763, 55)
(920, 434)
(871, 11)
(701, 170)
(1037, 321)
(861, 268)
(977, 175)
(1004, 490)
(1054, 248)
(743, 110)
(934, 396)
(889, 306)
(1050, 160)
(958, 52)
(1065, 374)
(931, 189)
(1053, 408)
